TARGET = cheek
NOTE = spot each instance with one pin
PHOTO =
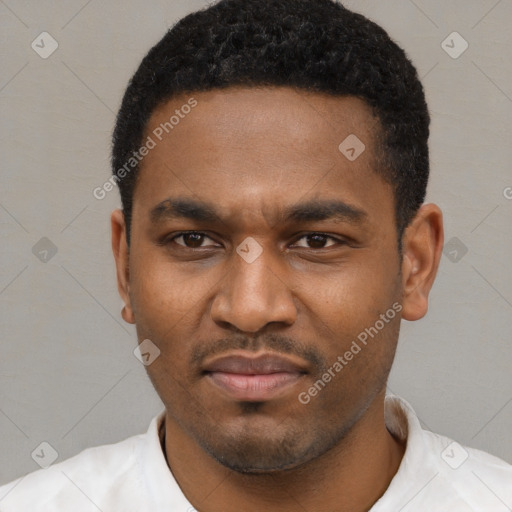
(156, 294)
(358, 291)
(349, 305)
(166, 304)
(160, 289)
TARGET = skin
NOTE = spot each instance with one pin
(252, 152)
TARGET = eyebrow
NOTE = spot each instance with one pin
(311, 211)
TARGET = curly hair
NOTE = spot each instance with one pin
(311, 45)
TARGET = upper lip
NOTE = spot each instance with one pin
(249, 365)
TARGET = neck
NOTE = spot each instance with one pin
(350, 477)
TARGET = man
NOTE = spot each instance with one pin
(272, 159)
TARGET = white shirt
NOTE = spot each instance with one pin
(435, 475)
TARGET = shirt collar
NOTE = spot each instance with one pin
(417, 465)
(163, 489)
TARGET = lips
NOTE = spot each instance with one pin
(259, 378)
(261, 365)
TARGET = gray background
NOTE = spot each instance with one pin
(67, 372)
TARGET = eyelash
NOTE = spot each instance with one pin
(325, 235)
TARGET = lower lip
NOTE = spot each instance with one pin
(254, 387)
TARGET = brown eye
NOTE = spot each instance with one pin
(191, 240)
(318, 240)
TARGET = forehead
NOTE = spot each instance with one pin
(263, 148)
(235, 112)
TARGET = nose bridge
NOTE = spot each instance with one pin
(251, 273)
(252, 293)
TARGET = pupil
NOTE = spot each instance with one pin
(316, 239)
(195, 243)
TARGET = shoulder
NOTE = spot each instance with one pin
(469, 477)
(85, 478)
(439, 473)
(471, 472)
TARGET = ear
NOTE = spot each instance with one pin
(121, 256)
(422, 246)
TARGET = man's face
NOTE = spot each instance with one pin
(257, 280)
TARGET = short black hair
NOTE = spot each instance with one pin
(312, 45)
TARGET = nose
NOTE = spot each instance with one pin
(251, 295)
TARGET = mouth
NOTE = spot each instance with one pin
(256, 379)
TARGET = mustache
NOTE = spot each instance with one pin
(271, 341)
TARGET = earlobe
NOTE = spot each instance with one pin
(121, 256)
(127, 314)
(422, 247)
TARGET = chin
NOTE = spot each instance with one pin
(261, 452)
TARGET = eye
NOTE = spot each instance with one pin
(318, 240)
(195, 240)
(191, 239)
